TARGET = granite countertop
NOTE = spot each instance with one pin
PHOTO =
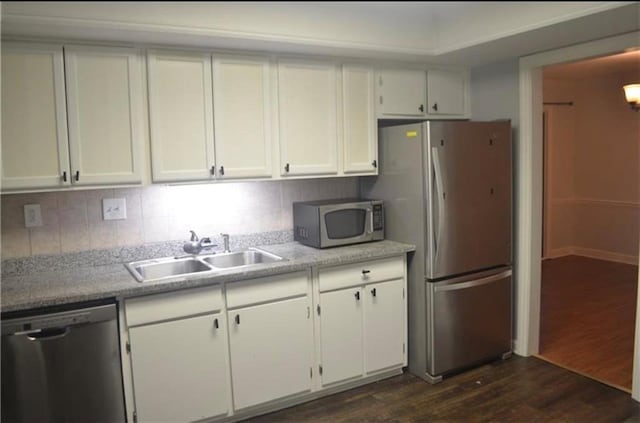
(85, 283)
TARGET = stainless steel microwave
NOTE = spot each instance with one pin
(329, 223)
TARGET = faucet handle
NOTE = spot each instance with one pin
(194, 237)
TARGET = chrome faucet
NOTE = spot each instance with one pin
(195, 245)
(225, 239)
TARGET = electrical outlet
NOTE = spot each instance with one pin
(114, 209)
(32, 215)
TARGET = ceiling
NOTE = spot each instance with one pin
(465, 33)
(627, 63)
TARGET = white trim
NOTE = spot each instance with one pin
(635, 392)
(529, 204)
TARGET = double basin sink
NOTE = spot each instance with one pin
(155, 269)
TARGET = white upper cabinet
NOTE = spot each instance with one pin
(181, 116)
(242, 111)
(401, 93)
(434, 93)
(308, 109)
(35, 151)
(446, 92)
(104, 99)
(360, 142)
(71, 116)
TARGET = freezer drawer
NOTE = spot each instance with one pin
(469, 321)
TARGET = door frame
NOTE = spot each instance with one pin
(530, 190)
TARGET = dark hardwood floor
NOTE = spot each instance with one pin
(515, 390)
(587, 317)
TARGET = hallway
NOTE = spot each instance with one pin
(587, 317)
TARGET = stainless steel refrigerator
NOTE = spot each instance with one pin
(447, 188)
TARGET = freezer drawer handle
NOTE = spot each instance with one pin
(472, 284)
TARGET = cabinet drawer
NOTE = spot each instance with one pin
(337, 277)
(172, 305)
(262, 290)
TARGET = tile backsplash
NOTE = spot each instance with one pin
(72, 220)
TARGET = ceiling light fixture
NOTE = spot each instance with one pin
(632, 94)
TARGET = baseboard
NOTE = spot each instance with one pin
(593, 253)
(560, 252)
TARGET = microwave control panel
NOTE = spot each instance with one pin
(378, 218)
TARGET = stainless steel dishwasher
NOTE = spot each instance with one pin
(62, 365)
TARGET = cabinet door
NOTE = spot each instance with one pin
(35, 150)
(104, 98)
(271, 351)
(360, 137)
(384, 325)
(341, 335)
(401, 93)
(307, 101)
(242, 117)
(445, 91)
(180, 370)
(181, 116)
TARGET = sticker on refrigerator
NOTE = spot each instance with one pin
(412, 134)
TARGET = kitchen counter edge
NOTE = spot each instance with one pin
(66, 287)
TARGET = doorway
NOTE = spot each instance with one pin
(529, 207)
(590, 214)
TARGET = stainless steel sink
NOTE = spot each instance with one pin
(241, 258)
(166, 268)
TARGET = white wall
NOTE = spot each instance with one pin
(593, 169)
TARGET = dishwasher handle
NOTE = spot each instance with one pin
(48, 334)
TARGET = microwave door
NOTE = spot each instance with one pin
(344, 224)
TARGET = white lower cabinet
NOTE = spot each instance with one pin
(179, 355)
(230, 351)
(271, 351)
(362, 327)
(270, 338)
(180, 369)
(341, 335)
(384, 324)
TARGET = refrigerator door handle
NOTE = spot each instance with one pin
(474, 283)
(441, 215)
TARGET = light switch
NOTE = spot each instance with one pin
(114, 209)
(32, 215)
